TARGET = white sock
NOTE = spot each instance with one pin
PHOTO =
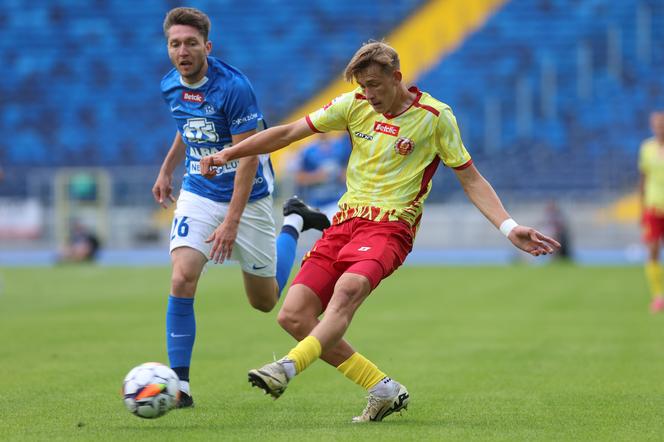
(385, 388)
(289, 368)
(184, 387)
(294, 220)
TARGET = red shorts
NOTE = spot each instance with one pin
(369, 248)
(653, 225)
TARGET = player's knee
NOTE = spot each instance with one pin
(293, 323)
(263, 304)
(183, 282)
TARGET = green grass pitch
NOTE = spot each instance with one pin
(488, 353)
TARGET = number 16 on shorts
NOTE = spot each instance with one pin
(180, 227)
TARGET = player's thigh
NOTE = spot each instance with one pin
(350, 291)
(255, 244)
(319, 278)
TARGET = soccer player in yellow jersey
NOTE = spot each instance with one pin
(651, 166)
(399, 137)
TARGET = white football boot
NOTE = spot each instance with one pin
(380, 407)
(271, 378)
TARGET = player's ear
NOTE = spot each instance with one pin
(398, 76)
(208, 46)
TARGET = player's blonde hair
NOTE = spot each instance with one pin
(372, 52)
(190, 17)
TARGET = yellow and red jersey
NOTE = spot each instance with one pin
(651, 165)
(394, 157)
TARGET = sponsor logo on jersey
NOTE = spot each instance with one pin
(404, 146)
(365, 136)
(245, 119)
(194, 97)
(200, 130)
(386, 128)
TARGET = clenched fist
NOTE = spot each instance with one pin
(209, 163)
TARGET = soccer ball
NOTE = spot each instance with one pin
(150, 390)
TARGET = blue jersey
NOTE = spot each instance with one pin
(331, 156)
(207, 114)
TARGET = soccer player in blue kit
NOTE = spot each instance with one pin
(230, 215)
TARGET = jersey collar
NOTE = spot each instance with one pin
(196, 85)
(416, 101)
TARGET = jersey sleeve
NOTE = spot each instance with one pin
(241, 107)
(332, 116)
(450, 148)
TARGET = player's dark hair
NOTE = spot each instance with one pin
(189, 17)
(372, 52)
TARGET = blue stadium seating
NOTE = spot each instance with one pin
(589, 144)
(83, 80)
(83, 76)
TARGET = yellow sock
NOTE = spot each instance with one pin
(362, 371)
(305, 353)
(654, 276)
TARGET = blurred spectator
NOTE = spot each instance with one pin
(320, 174)
(555, 225)
(83, 245)
(651, 190)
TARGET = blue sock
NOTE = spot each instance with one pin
(180, 334)
(286, 246)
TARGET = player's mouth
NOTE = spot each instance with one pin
(185, 64)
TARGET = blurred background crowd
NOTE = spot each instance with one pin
(552, 98)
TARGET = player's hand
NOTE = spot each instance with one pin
(223, 239)
(209, 163)
(531, 241)
(163, 190)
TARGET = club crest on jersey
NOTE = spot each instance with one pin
(193, 97)
(385, 128)
(404, 146)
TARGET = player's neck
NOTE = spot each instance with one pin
(402, 101)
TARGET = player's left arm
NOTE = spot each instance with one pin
(482, 195)
(265, 141)
(223, 237)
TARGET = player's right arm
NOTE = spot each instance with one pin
(266, 141)
(163, 186)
